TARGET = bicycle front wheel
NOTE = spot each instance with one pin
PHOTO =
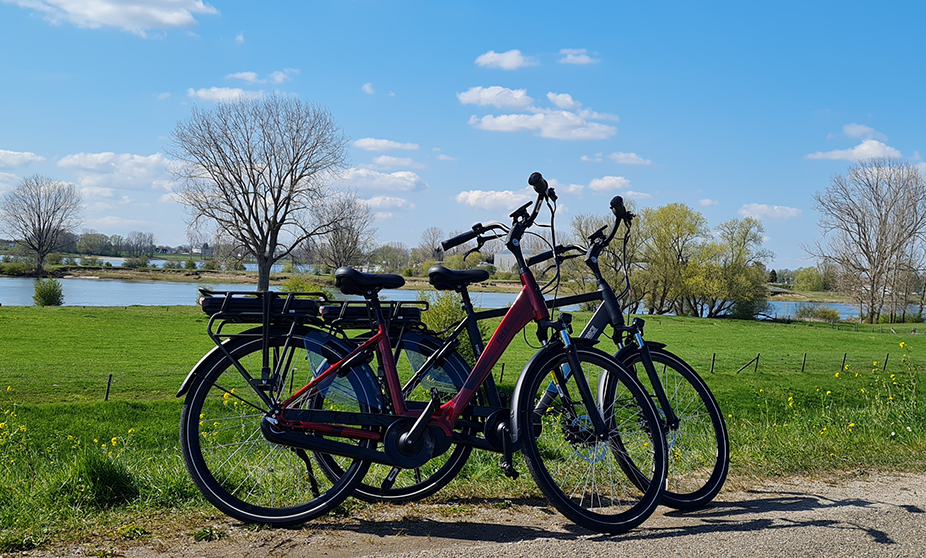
(699, 449)
(579, 471)
(232, 464)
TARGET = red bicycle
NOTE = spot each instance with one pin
(254, 433)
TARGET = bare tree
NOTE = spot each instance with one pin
(351, 240)
(429, 246)
(38, 212)
(260, 170)
(871, 219)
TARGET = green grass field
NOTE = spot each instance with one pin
(72, 463)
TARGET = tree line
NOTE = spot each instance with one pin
(256, 175)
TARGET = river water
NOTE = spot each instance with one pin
(17, 291)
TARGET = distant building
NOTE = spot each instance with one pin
(504, 260)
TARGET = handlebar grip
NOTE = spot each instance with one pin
(461, 238)
(617, 207)
(538, 182)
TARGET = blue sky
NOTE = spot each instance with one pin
(735, 109)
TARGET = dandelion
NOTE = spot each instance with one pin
(790, 402)
(9, 388)
(131, 430)
(113, 441)
(828, 392)
(902, 344)
(837, 374)
(95, 441)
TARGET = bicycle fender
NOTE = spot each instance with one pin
(540, 358)
(191, 375)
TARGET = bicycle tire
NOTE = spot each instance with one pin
(415, 484)
(699, 449)
(230, 462)
(580, 475)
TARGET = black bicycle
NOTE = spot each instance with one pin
(696, 435)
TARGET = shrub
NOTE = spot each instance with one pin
(190, 264)
(300, 283)
(91, 262)
(817, 312)
(54, 259)
(444, 312)
(211, 265)
(15, 268)
(48, 292)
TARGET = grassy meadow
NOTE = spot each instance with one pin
(822, 398)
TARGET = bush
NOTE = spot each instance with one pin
(817, 312)
(48, 292)
(444, 312)
(135, 263)
(54, 259)
(300, 283)
(17, 269)
(91, 262)
(190, 265)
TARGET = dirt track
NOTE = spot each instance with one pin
(847, 516)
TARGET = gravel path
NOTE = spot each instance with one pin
(879, 516)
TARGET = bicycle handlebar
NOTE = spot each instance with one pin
(558, 251)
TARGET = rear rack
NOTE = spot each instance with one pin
(250, 307)
(357, 314)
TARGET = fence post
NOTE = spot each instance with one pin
(843, 362)
(108, 384)
(887, 356)
(757, 363)
(803, 363)
(713, 358)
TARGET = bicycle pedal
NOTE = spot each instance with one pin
(509, 470)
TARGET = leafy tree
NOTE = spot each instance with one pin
(38, 213)
(259, 171)
(671, 236)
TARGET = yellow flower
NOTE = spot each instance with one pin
(902, 344)
(113, 441)
(828, 392)
(837, 374)
(851, 425)
(131, 430)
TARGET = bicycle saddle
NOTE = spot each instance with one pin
(353, 282)
(444, 279)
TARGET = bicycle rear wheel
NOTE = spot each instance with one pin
(580, 473)
(229, 460)
(699, 449)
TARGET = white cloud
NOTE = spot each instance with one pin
(622, 158)
(637, 195)
(388, 161)
(277, 77)
(368, 88)
(239, 38)
(773, 212)
(511, 60)
(547, 124)
(282, 76)
(12, 159)
(163, 96)
(609, 183)
(250, 77)
(483, 199)
(372, 144)
(597, 158)
(500, 97)
(99, 172)
(442, 157)
(564, 101)
(576, 56)
(134, 16)
(862, 131)
(706, 202)
(368, 179)
(868, 149)
(223, 94)
(389, 202)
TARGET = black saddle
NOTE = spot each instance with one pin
(444, 279)
(353, 282)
